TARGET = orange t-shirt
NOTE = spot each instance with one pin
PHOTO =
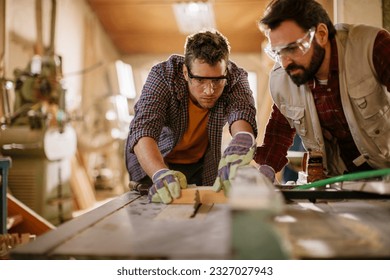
(195, 140)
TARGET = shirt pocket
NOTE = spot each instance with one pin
(296, 117)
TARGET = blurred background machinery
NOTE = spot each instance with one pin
(101, 140)
(35, 131)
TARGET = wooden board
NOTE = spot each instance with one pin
(82, 188)
(183, 211)
(206, 194)
(31, 221)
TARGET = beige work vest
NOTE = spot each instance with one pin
(365, 101)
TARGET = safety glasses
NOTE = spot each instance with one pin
(293, 50)
(200, 81)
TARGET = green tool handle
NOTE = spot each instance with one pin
(346, 177)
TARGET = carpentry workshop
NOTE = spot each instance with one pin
(267, 136)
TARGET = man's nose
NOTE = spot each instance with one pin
(285, 61)
(209, 87)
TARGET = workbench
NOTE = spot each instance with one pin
(128, 227)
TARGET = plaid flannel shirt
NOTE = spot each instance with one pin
(162, 114)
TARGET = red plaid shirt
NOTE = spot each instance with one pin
(279, 135)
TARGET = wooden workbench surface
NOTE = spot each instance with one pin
(129, 227)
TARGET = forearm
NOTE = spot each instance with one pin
(149, 156)
(278, 138)
(240, 126)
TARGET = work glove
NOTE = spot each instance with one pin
(167, 185)
(239, 152)
(268, 172)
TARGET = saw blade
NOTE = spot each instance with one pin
(197, 203)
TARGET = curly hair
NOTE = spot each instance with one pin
(209, 46)
(306, 13)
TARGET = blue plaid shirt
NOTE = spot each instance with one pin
(162, 114)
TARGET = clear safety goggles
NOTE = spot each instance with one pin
(200, 81)
(293, 50)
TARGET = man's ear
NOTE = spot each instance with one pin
(185, 72)
(322, 34)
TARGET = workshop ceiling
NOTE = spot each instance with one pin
(149, 27)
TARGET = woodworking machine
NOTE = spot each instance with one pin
(36, 132)
(256, 221)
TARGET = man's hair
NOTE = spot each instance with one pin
(209, 46)
(306, 13)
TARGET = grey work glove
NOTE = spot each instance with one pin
(239, 152)
(167, 185)
(268, 172)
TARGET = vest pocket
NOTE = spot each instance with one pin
(295, 116)
(379, 131)
(372, 104)
(369, 98)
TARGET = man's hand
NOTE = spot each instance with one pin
(167, 185)
(239, 152)
(268, 172)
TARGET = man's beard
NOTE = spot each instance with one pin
(309, 73)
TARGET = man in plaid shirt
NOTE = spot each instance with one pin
(175, 136)
(330, 85)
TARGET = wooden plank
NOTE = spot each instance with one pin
(206, 194)
(32, 222)
(183, 211)
(82, 188)
(179, 211)
(203, 211)
(14, 220)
